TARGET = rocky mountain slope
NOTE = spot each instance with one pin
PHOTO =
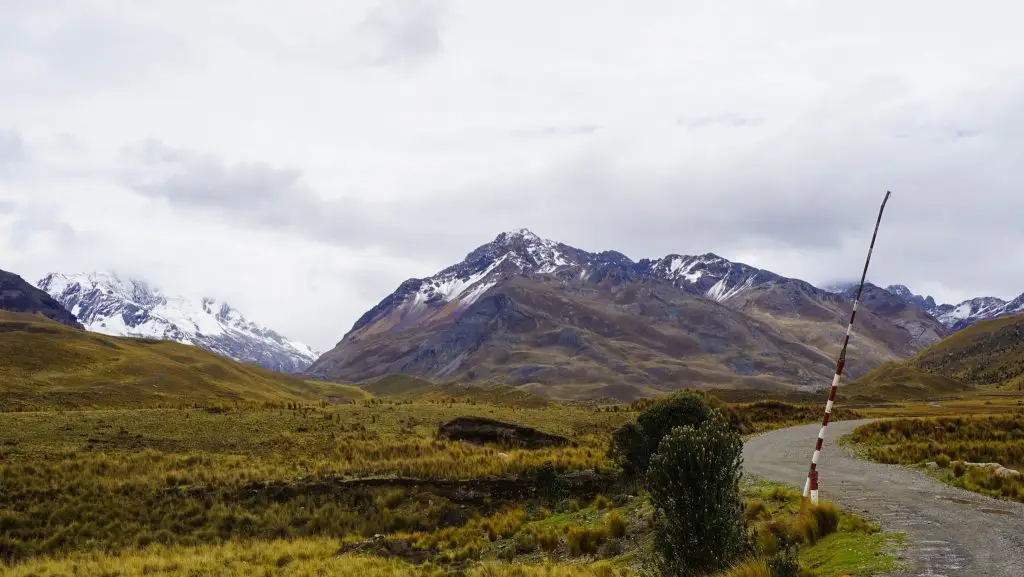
(964, 314)
(17, 295)
(108, 304)
(526, 311)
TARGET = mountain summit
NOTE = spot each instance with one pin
(523, 310)
(112, 305)
(964, 314)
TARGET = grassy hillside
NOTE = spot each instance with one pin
(988, 353)
(986, 356)
(901, 382)
(47, 364)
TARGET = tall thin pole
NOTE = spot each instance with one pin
(811, 485)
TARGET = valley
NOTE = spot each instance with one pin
(148, 453)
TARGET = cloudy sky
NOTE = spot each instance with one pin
(301, 159)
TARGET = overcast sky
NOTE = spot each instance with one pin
(301, 159)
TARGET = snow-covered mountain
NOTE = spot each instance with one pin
(521, 252)
(109, 304)
(524, 309)
(961, 315)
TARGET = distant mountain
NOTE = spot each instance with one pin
(959, 316)
(526, 311)
(17, 295)
(108, 304)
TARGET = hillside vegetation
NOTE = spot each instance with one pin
(414, 389)
(989, 353)
(953, 443)
(986, 356)
(47, 364)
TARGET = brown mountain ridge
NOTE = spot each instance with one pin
(566, 323)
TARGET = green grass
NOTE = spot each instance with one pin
(44, 364)
(855, 554)
(832, 542)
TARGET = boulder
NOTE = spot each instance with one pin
(481, 430)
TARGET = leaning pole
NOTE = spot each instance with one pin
(811, 485)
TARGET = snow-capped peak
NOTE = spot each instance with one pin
(111, 304)
(523, 233)
(710, 275)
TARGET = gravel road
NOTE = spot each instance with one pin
(950, 532)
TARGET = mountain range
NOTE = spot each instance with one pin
(539, 314)
(109, 304)
(964, 314)
(550, 318)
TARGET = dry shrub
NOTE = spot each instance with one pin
(616, 525)
(756, 510)
(585, 540)
(808, 526)
(756, 567)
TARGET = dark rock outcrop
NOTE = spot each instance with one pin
(481, 430)
(19, 296)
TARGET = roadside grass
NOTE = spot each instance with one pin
(967, 405)
(831, 542)
(855, 554)
(951, 442)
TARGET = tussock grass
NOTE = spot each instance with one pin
(756, 567)
(951, 441)
(292, 558)
(120, 478)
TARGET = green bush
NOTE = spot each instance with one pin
(633, 444)
(699, 513)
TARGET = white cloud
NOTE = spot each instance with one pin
(305, 159)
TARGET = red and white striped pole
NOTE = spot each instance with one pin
(811, 485)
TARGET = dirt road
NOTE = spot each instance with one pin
(950, 532)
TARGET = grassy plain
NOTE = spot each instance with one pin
(603, 538)
(176, 491)
(134, 457)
